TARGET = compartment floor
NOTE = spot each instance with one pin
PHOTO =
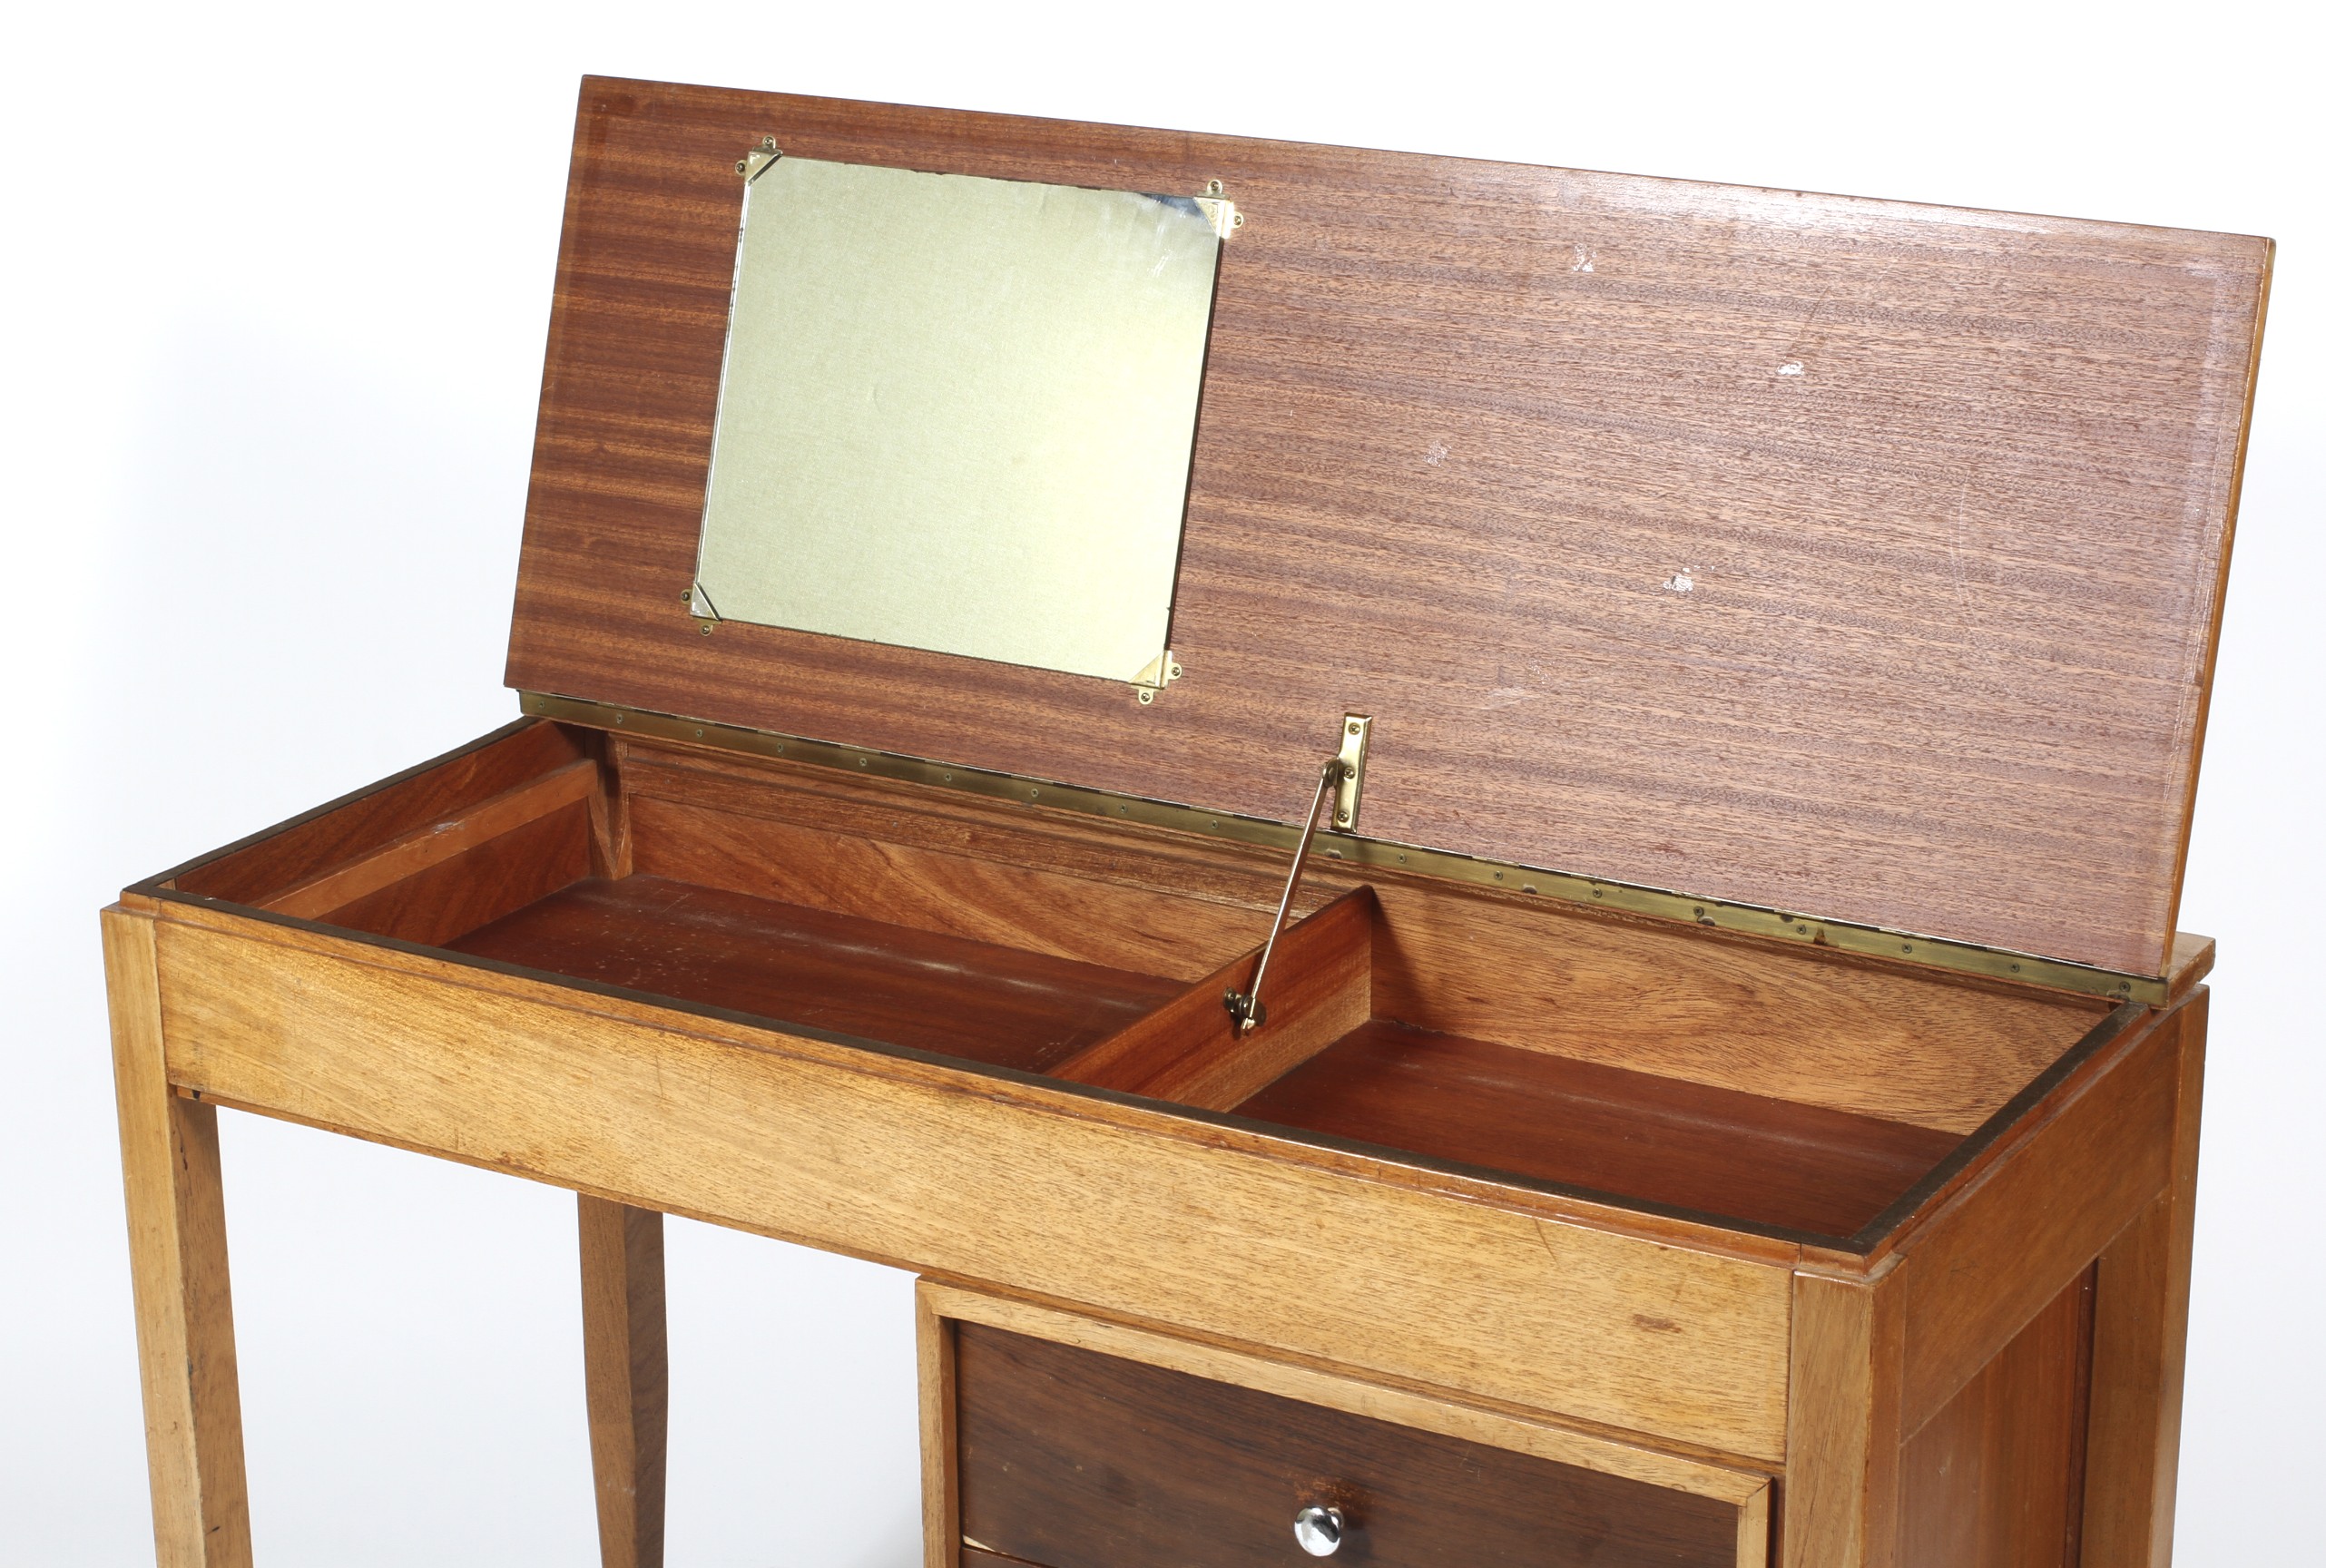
(1632, 1134)
(798, 966)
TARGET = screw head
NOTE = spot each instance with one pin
(1145, 696)
(742, 165)
(1214, 188)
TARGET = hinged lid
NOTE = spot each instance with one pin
(1852, 557)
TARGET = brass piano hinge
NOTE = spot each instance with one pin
(1573, 887)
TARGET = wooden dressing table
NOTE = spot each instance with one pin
(1552, 541)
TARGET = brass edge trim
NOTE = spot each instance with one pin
(1598, 893)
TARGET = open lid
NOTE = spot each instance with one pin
(1852, 557)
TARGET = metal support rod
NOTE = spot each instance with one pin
(1245, 1004)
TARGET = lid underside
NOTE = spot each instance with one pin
(1852, 557)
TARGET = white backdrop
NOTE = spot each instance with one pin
(276, 285)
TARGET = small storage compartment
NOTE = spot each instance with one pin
(868, 979)
(1776, 1089)
(728, 884)
(1797, 1095)
(1069, 1458)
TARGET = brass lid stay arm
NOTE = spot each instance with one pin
(1245, 1006)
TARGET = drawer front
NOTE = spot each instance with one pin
(1069, 1458)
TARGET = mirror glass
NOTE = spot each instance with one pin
(956, 414)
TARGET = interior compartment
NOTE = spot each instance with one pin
(1774, 1087)
(840, 973)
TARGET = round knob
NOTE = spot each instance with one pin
(1317, 1530)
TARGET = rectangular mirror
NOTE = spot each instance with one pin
(957, 413)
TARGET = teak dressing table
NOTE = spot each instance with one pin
(1543, 541)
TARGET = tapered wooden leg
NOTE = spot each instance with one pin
(626, 1347)
(2140, 1329)
(940, 1462)
(177, 1251)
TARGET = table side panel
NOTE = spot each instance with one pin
(2001, 1250)
(928, 1167)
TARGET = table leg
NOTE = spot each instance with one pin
(626, 1353)
(177, 1251)
(2140, 1327)
(1842, 1437)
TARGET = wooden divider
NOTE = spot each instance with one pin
(1191, 1050)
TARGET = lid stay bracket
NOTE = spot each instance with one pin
(1245, 1006)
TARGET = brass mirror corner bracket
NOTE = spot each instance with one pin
(698, 605)
(1159, 672)
(1245, 1006)
(1221, 212)
(759, 160)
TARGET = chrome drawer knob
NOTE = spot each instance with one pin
(1317, 1530)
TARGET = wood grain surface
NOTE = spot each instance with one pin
(1800, 1167)
(499, 876)
(939, 1440)
(2140, 1327)
(1996, 1478)
(1081, 1460)
(1815, 1028)
(1527, 1298)
(356, 826)
(837, 972)
(1763, 1018)
(414, 852)
(178, 1274)
(626, 1370)
(2077, 1172)
(1840, 1503)
(1194, 1052)
(1545, 1438)
(1854, 557)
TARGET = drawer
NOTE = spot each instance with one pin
(1069, 1456)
